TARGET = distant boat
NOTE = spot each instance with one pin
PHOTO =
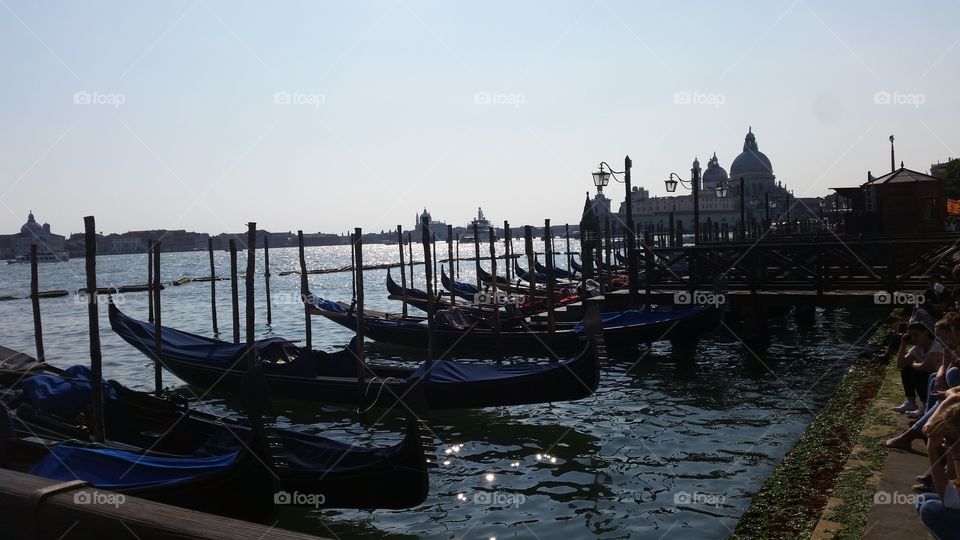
(483, 228)
(44, 257)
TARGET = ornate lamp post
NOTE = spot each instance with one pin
(694, 186)
(601, 178)
(722, 190)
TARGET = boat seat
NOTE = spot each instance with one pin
(451, 319)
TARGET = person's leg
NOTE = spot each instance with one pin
(920, 384)
(909, 391)
(942, 522)
(953, 377)
(931, 383)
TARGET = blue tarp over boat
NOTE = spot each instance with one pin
(625, 319)
(64, 396)
(117, 469)
(179, 344)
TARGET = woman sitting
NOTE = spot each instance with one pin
(947, 332)
(919, 356)
(940, 511)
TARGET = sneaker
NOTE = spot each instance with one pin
(915, 414)
(925, 478)
(923, 488)
(906, 406)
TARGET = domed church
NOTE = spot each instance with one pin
(754, 167)
(759, 184)
(49, 245)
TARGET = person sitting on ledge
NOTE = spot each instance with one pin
(940, 511)
(947, 332)
(919, 356)
(936, 298)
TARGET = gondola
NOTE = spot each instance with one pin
(620, 329)
(292, 371)
(558, 273)
(231, 484)
(463, 290)
(347, 476)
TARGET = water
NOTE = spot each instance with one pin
(672, 445)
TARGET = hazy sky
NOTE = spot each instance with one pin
(205, 114)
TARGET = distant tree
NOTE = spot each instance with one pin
(951, 179)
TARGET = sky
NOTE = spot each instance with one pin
(323, 116)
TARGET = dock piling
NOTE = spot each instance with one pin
(497, 344)
(213, 288)
(234, 292)
(358, 270)
(266, 277)
(150, 278)
(430, 299)
(93, 317)
(403, 270)
(157, 344)
(304, 291)
(35, 303)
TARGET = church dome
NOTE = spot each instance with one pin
(31, 226)
(751, 161)
(715, 174)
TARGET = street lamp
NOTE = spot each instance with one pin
(694, 186)
(601, 178)
(722, 189)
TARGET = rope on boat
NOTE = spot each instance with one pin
(383, 383)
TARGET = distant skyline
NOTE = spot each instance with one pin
(204, 115)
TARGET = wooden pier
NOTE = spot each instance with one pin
(32, 507)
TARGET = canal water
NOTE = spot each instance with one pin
(672, 445)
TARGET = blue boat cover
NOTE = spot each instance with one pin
(117, 469)
(447, 372)
(465, 289)
(179, 344)
(327, 305)
(63, 396)
(634, 318)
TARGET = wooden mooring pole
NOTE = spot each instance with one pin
(403, 270)
(453, 296)
(35, 303)
(528, 247)
(234, 292)
(213, 287)
(551, 277)
(93, 319)
(476, 253)
(304, 292)
(497, 344)
(150, 279)
(410, 248)
(358, 351)
(250, 312)
(157, 343)
(266, 277)
(507, 251)
(430, 306)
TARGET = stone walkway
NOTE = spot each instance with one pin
(893, 514)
